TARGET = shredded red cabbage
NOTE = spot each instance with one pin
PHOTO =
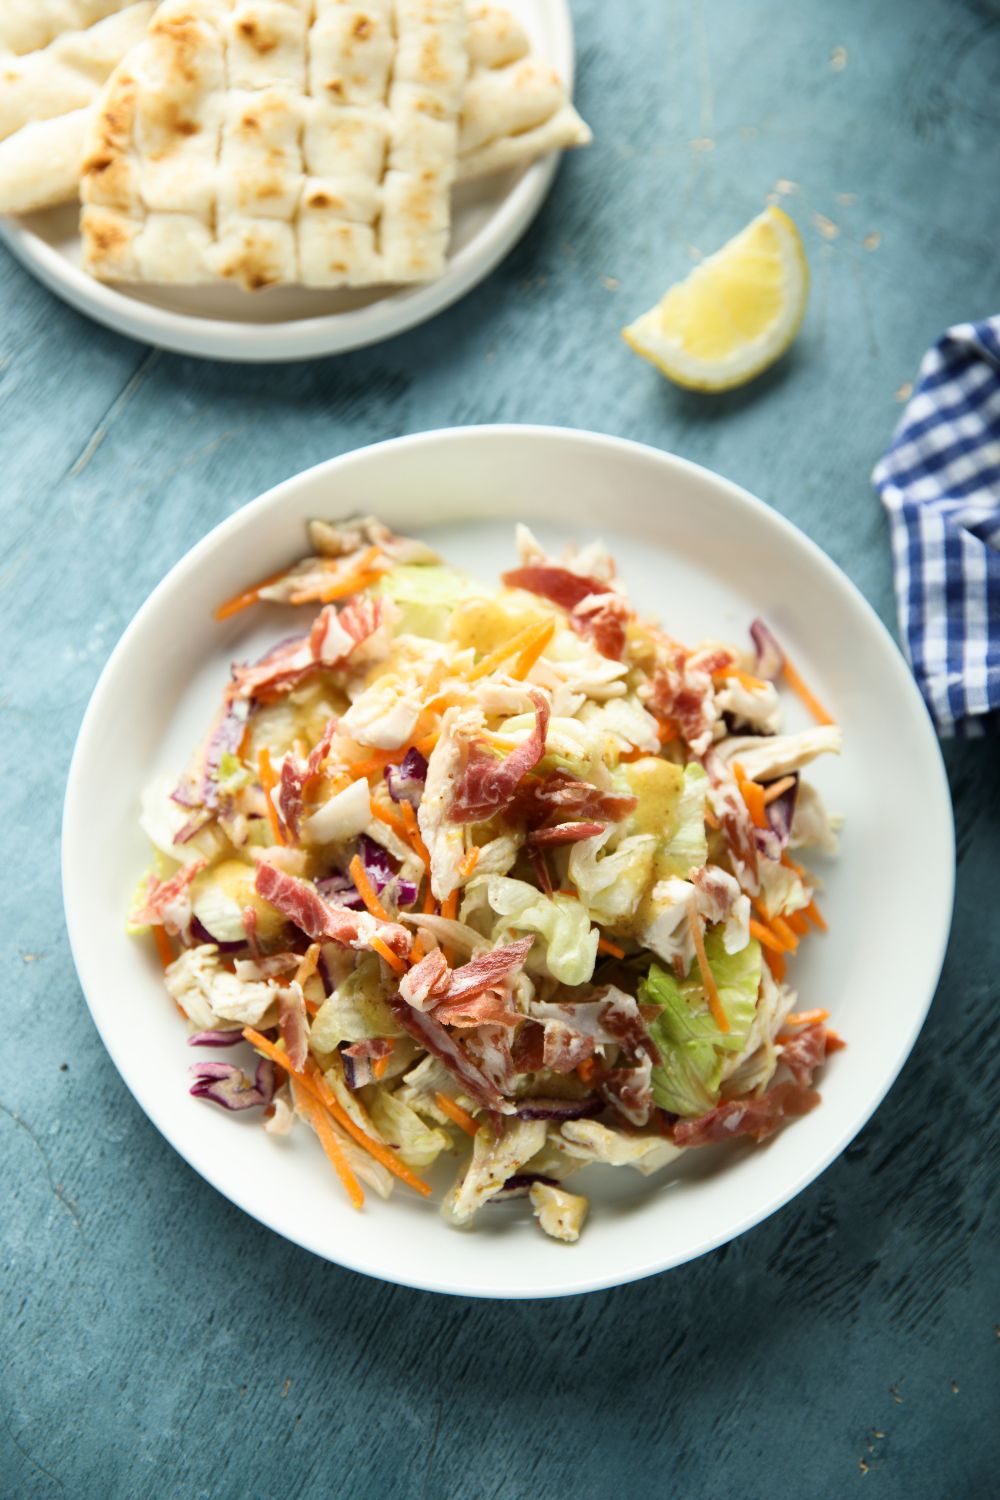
(781, 812)
(770, 657)
(215, 1038)
(228, 1085)
(558, 1109)
(406, 781)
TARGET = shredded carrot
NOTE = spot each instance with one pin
(455, 1112)
(427, 743)
(470, 859)
(416, 951)
(246, 598)
(307, 967)
(804, 694)
(630, 756)
(776, 964)
(383, 950)
(752, 795)
(532, 652)
(711, 821)
(449, 906)
(806, 1017)
(753, 683)
(587, 1070)
(430, 905)
(268, 781)
(308, 1105)
(413, 832)
(707, 978)
(667, 729)
(789, 863)
(360, 575)
(366, 890)
(564, 890)
(517, 644)
(778, 788)
(381, 1064)
(766, 937)
(797, 923)
(381, 1153)
(376, 762)
(391, 820)
(781, 928)
(815, 916)
(834, 1042)
(605, 945)
(313, 1080)
(164, 947)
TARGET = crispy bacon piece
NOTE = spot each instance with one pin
(603, 619)
(166, 902)
(565, 833)
(564, 1048)
(560, 795)
(283, 668)
(429, 976)
(302, 904)
(489, 1008)
(490, 1045)
(487, 785)
(439, 1042)
(687, 697)
(528, 1051)
(293, 1025)
(604, 622)
(337, 632)
(804, 1052)
(629, 1090)
(753, 1117)
(291, 795)
(321, 749)
(487, 970)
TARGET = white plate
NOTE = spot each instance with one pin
(706, 557)
(284, 323)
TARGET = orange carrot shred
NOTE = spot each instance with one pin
(247, 597)
(518, 643)
(707, 977)
(426, 745)
(268, 781)
(313, 1080)
(416, 951)
(806, 1017)
(383, 950)
(308, 1105)
(532, 652)
(359, 576)
(667, 729)
(605, 945)
(803, 693)
(449, 906)
(381, 1064)
(455, 1112)
(834, 1042)
(307, 967)
(366, 890)
(781, 928)
(469, 861)
(413, 832)
(766, 937)
(164, 947)
(391, 820)
(797, 923)
(776, 963)
(587, 1070)
(776, 788)
(430, 905)
(815, 916)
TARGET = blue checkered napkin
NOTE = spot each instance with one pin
(940, 483)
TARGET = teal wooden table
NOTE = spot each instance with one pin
(157, 1343)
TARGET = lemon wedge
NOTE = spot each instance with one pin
(735, 314)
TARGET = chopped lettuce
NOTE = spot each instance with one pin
(691, 1046)
(418, 1144)
(687, 847)
(427, 594)
(611, 886)
(231, 775)
(355, 1011)
(570, 943)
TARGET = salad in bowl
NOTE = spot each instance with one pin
(497, 872)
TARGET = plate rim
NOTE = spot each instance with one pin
(273, 499)
(323, 334)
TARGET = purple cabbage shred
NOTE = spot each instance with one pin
(770, 657)
(406, 781)
(228, 1085)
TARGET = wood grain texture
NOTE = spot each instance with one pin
(156, 1342)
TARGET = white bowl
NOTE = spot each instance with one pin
(285, 323)
(706, 557)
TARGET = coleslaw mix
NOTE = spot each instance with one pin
(497, 871)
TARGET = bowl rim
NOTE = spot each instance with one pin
(544, 434)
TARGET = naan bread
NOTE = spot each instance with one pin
(516, 107)
(53, 65)
(275, 141)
